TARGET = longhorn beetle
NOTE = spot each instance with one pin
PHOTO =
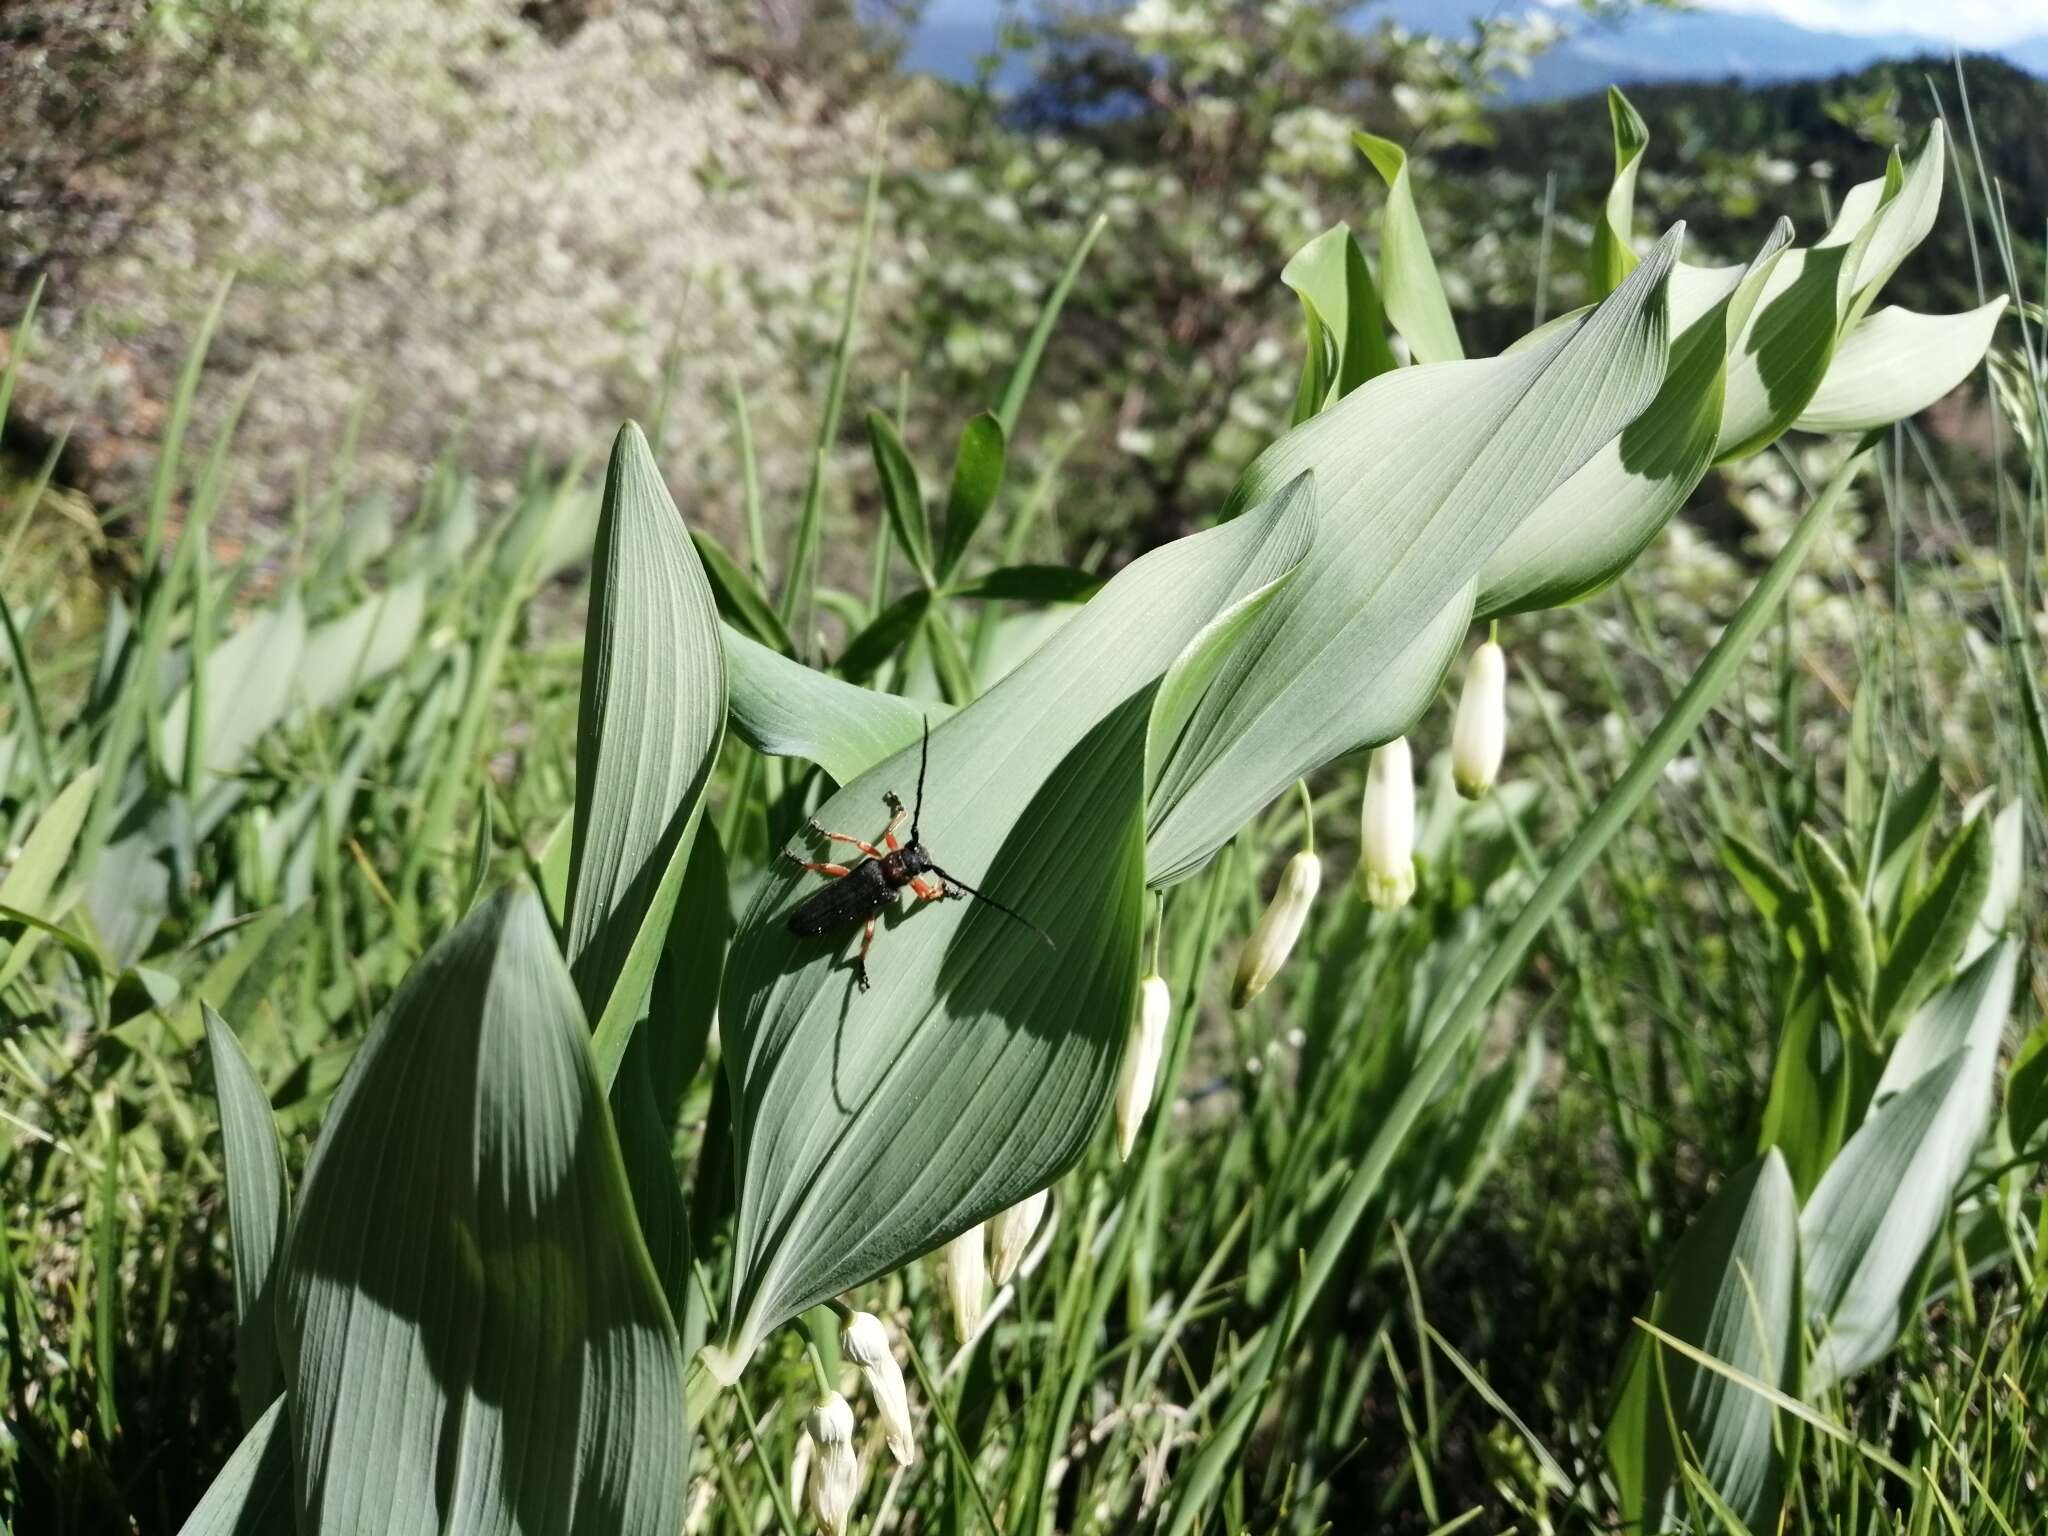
(860, 892)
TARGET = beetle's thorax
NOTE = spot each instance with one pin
(902, 865)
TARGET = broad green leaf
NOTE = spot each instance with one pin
(740, 601)
(1413, 292)
(869, 651)
(31, 881)
(473, 1337)
(1420, 476)
(977, 476)
(874, 1125)
(1936, 926)
(374, 637)
(1730, 1289)
(251, 682)
(259, 1207)
(1031, 584)
(1895, 364)
(1342, 308)
(902, 499)
(786, 709)
(1867, 1228)
(252, 1496)
(649, 724)
(1591, 528)
(1613, 257)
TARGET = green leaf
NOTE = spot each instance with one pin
(786, 709)
(1784, 354)
(869, 651)
(252, 1496)
(2026, 1090)
(740, 601)
(977, 476)
(1019, 387)
(1730, 1289)
(1778, 901)
(1847, 946)
(474, 1339)
(251, 685)
(1420, 475)
(649, 725)
(1613, 257)
(1591, 528)
(874, 1125)
(373, 638)
(2002, 890)
(1930, 940)
(1895, 363)
(259, 1208)
(1807, 1114)
(902, 499)
(1335, 286)
(1414, 294)
(1902, 833)
(1874, 1214)
(31, 882)
(1031, 584)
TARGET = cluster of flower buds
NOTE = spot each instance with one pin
(1140, 1070)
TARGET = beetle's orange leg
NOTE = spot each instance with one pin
(888, 836)
(860, 961)
(834, 870)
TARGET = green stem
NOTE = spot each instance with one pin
(1308, 817)
(1204, 1476)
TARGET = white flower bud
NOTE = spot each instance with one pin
(1386, 829)
(1011, 1233)
(965, 1264)
(865, 1341)
(1141, 1061)
(1479, 736)
(800, 1468)
(1274, 935)
(835, 1471)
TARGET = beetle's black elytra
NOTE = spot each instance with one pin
(859, 892)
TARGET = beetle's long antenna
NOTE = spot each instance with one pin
(924, 758)
(1006, 911)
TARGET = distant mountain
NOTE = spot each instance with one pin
(1647, 46)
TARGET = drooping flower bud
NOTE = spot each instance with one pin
(965, 1263)
(865, 1341)
(1386, 829)
(1141, 1061)
(835, 1471)
(1278, 927)
(800, 1468)
(1011, 1233)
(1479, 736)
